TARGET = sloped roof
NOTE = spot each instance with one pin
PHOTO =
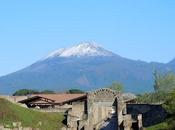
(56, 98)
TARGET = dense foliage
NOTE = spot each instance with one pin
(164, 82)
(23, 92)
(170, 103)
(164, 85)
(154, 97)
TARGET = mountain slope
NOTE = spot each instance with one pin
(85, 66)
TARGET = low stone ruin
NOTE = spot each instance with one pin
(106, 109)
(16, 126)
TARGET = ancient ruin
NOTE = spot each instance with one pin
(91, 114)
(106, 109)
(102, 109)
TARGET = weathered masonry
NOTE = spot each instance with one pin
(151, 113)
(90, 115)
(127, 121)
(103, 109)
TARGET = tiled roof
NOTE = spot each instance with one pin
(58, 98)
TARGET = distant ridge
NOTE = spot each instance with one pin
(84, 66)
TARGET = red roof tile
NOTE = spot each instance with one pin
(58, 98)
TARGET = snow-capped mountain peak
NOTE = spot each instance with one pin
(80, 50)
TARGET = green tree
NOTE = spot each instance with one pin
(23, 92)
(155, 97)
(170, 103)
(116, 86)
(164, 82)
(156, 81)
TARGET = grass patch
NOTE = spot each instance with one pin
(161, 126)
(10, 112)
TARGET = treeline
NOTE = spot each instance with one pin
(24, 92)
(116, 86)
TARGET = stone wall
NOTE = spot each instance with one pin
(125, 120)
(56, 108)
(151, 114)
(89, 115)
(76, 116)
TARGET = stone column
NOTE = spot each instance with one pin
(127, 122)
(140, 122)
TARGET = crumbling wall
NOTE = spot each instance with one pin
(100, 106)
(76, 116)
(151, 114)
(127, 121)
(89, 114)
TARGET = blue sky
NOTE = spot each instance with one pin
(136, 29)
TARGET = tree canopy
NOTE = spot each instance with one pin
(164, 82)
(170, 102)
(23, 92)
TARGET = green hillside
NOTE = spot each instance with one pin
(10, 112)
